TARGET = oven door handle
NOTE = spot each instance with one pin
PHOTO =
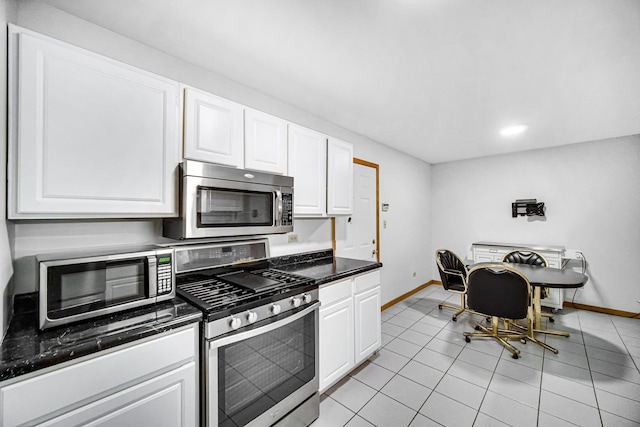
(263, 329)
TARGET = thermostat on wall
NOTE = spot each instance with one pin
(385, 207)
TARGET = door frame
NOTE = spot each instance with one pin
(333, 219)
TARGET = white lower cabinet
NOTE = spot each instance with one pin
(151, 383)
(367, 319)
(350, 325)
(336, 341)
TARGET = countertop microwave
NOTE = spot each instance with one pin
(76, 286)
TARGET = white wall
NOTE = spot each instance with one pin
(592, 204)
(403, 179)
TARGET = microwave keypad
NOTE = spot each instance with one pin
(164, 278)
(287, 209)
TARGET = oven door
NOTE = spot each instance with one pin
(256, 377)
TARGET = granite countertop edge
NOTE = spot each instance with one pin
(25, 349)
(322, 266)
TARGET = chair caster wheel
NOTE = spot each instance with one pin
(488, 319)
(515, 356)
(454, 318)
(477, 328)
(439, 306)
(467, 339)
(551, 319)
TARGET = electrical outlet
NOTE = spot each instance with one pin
(384, 223)
(293, 238)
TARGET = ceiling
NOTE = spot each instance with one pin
(436, 79)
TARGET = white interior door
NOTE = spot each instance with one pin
(356, 234)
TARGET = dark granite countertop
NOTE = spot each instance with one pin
(26, 349)
(322, 266)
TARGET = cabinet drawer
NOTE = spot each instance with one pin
(70, 387)
(367, 281)
(335, 291)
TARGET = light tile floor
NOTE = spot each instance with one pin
(427, 375)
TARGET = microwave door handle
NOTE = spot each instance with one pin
(278, 213)
(153, 276)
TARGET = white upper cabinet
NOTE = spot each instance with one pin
(89, 137)
(213, 129)
(308, 167)
(340, 177)
(265, 142)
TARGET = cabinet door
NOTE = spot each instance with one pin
(308, 167)
(339, 177)
(265, 142)
(367, 323)
(90, 137)
(213, 129)
(63, 390)
(168, 400)
(336, 342)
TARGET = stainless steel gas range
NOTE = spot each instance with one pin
(259, 352)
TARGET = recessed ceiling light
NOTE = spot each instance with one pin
(513, 130)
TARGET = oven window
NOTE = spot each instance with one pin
(257, 373)
(234, 208)
(80, 288)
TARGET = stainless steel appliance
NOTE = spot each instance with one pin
(219, 201)
(260, 335)
(80, 285)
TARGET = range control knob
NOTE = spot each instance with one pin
(235, 322)
(252, 316)
(276, 309)
(306, 298)
(296, 301)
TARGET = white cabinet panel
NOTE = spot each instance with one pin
(168, 400)
(368, 334)
(115, 374)
(336, 342)
(350, 325)
(308, 166)
(339, 177)
(89, 136)
(265, 142)
(213, 129)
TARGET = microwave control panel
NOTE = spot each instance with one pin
(287, 209)
(165, 275)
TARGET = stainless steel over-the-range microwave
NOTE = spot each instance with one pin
(221, 201)
(81, 285)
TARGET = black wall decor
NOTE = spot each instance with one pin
(528, 207)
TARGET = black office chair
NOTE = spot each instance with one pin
(453, 274)
(529, 257)
(502, 293)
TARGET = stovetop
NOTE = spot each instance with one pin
(223, 292)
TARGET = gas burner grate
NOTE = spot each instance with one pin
(211, 293)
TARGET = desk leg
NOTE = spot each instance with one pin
(537, 314)
(537, 307)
